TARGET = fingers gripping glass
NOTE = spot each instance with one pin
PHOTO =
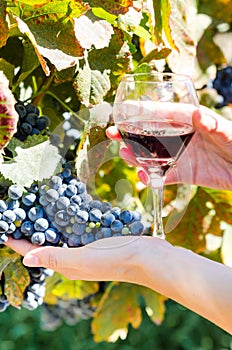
(153, 113)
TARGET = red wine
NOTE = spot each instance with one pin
(160, 142)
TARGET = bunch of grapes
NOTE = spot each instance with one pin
(223, 84)
(30, 122)
(66, 311)
(60, 212)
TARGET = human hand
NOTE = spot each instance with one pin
(209, 153)
(110, 259)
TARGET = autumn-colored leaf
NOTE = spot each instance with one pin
(116, 310)
(8, 115)
(4, 29)
(56, 9)
(16, 276)
(119, 307)
(16, 280)
(116, 7)
(155, 304)
(67, 289)
(219, 9)
(208, 52)
(190, 232)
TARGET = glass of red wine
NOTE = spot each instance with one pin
(153, 113)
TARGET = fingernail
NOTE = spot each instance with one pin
(31, 260)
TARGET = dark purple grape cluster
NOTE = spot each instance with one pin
(60, 212)
(223, 84)
(30, 122)
(66, 311)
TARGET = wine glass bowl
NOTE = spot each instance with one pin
(153, 113)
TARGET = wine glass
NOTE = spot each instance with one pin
(153, 113)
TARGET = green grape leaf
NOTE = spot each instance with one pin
(166, 10)
(158, 21)
(218, 9)
(208, 51)
(190, 231)
(55, 9)
(16, 276)
(31, 141)
(92, 33)
(101, 13)
(56, 41)
(4, 29)
(116, 58)
(24, 29)
(30, 61)
(121, 301)
(31, 164)
(156, 55)
(91, 86)
(67, 289)
(115, 7)
(8, 115)
(8, 70)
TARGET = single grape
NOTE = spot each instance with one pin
(63, 203)
(27, 228)
(117, 226)
(3, 226)
(136, 228)
(107, 219)
(38, 238)
(15, 192)
(52, 195)
(82, 216)
(79, 229)
(95, 215)
(62, 218)
(35, 213)
(41, 224)
(9, 216)
(29, 199)
(3, 206)
(126, 216)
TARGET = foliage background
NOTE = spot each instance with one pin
(53, 55)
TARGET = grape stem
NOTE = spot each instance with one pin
(63, 104)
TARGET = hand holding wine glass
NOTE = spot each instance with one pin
(210, 153)
(153, 113)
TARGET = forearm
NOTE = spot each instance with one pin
(198, 283)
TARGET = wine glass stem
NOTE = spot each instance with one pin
(157, 185)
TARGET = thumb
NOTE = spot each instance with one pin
(51, 257)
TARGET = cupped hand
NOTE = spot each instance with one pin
(115, 258)
(207, 161)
